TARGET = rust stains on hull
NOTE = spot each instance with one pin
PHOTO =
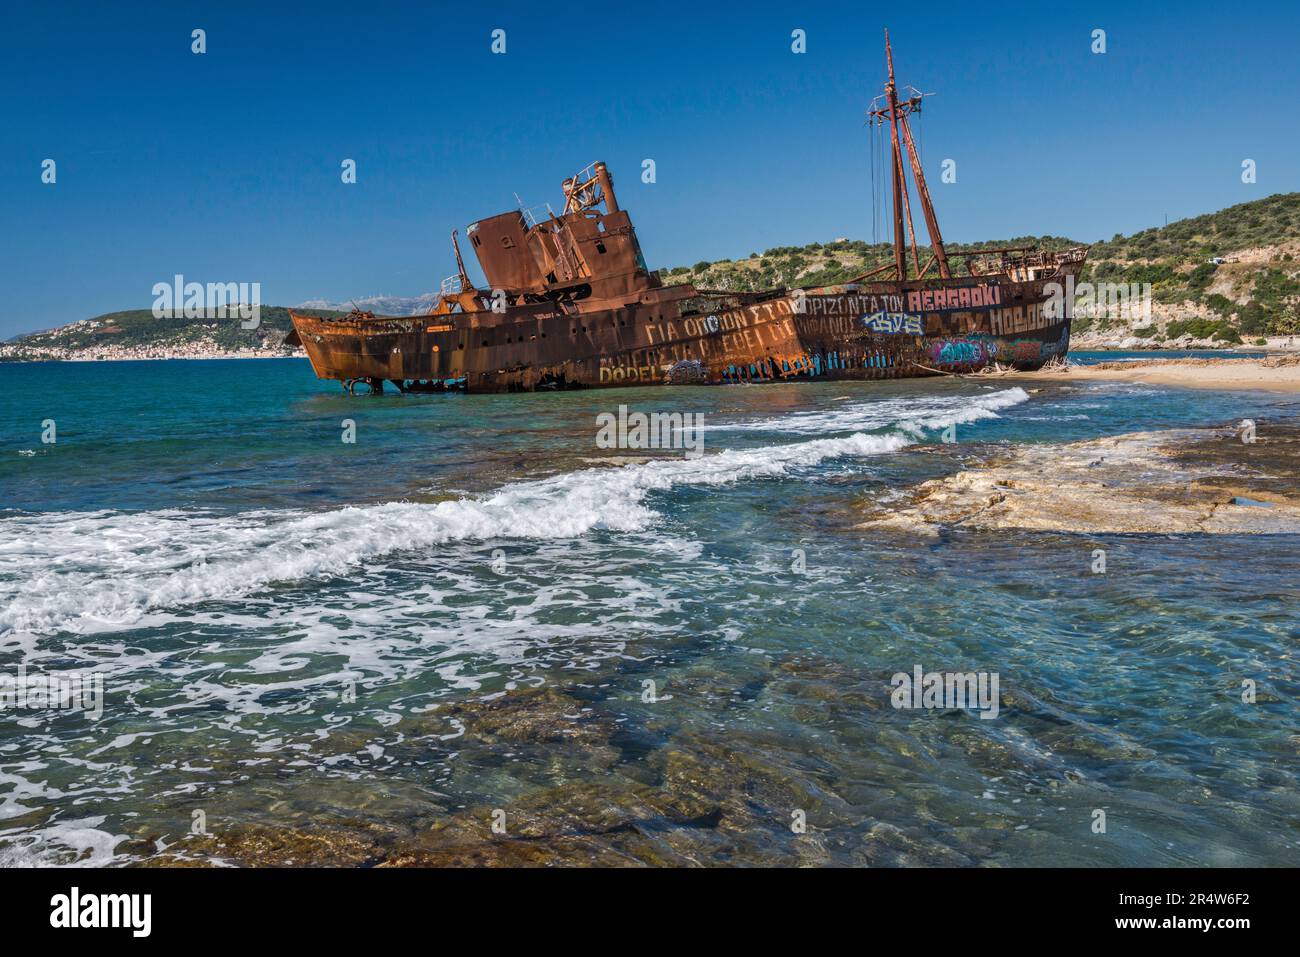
(569, 303)
(957, 325)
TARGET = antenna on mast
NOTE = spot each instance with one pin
(896, 112)
(460, 264)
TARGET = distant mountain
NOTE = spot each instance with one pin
(379, 305)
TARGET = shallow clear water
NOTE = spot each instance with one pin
(200, 536)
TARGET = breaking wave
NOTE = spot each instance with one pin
(60, 844)
(912, 414)
(101, 571)
(104, 570)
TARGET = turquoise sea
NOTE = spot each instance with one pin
(300, 636)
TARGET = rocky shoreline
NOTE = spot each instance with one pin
(1187, 481)
(1091, 341)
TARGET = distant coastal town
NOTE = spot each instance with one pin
(106, 352)
(138, 334)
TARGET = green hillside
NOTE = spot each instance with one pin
(1263, 222)
(1249, 295)
(1255, 291)
(819, 264)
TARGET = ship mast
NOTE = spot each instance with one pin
(900, 184)
(462, 275)
(900, 134)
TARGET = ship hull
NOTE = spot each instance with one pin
(876, 331)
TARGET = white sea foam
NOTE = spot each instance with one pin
(88, 572)
(912, 414)
(80, 843)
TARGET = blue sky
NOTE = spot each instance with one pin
(225, 166)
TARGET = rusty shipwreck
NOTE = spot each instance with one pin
(569, 303)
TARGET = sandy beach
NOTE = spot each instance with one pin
(1270, 374)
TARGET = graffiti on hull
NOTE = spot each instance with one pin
(965, 350)
(981, 349)
(982, 296)
(1034, 351)
(1026, 350)
(893, 323)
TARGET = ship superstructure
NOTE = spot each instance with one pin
(569, 303)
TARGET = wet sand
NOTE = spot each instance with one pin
(1273, 374)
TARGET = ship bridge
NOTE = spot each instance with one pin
(588, 252)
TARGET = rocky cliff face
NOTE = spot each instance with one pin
(1249, 297)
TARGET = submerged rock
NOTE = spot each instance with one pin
(343, 844)
(536, 715)
(1179, 481)
(699, 800)
(886, 845)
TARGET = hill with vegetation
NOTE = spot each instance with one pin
(138, 333)
(820, 264)
(1252, 290)
(1226, 276)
